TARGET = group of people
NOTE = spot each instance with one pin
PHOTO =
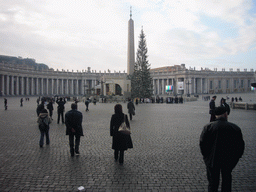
(222, 145)
(221, 142)
(73, 122)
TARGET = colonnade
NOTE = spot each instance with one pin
(24, 85)
(181, 85)
(202, 85)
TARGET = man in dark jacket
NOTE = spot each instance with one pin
(222, 145)
(212, 108)
(73, 120)
(61, 109)
(131, 108)
(87, 104)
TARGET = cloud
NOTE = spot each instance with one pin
(79, 34)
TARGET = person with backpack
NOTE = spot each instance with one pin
(43, 122)
(40, 108)
(61, 109)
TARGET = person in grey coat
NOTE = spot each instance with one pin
(73, 121)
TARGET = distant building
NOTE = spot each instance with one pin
(204, 81)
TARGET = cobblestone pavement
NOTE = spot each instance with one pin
(165, 157)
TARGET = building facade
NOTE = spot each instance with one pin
(25, 81)
(190, 81)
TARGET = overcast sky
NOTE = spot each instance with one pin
(76, 34)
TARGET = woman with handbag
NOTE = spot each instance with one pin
(121, 140)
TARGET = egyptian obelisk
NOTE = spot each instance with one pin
(130, 52)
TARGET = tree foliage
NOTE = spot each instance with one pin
(141, 81)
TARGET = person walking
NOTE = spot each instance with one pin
(73, 121)
(5, 103)
(43, 122)
(222, 145)
(87, 104)
(131, 108)
(61, 109)
(21, 102)
(212, 108)
(120, 141)
(50, 107)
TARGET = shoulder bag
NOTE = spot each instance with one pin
(124, 129)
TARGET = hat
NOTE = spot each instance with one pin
(214, 96)
(220, 110)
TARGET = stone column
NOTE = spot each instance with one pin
(72, 86)
(7, 85)
(194, 85)
(158, 86)
(52, 84)
(42, 86)
(61, 87)
(12, 85)
(77, 84)
(27, 86)
(17, 85)
(154, 87)
(46, 86)
(67, 87)
(201, 85)
(37, 86)
(207, 84)
(22, 85)
(105, 89)
(57, 86)
(3, 86)
(32, 86)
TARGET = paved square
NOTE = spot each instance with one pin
(165, 157)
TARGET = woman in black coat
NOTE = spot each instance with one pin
(121, 142)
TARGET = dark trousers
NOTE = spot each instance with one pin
(71, 143)
(50, 113)
(121, 157)
(46, 133)
(130, 116)
(87, 107)
(60, 113)
(213, 176)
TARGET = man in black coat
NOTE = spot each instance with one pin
(73, 120)
(212, 108)
(222, 145)
(131, 108)
(87, 104)
(61, 108)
